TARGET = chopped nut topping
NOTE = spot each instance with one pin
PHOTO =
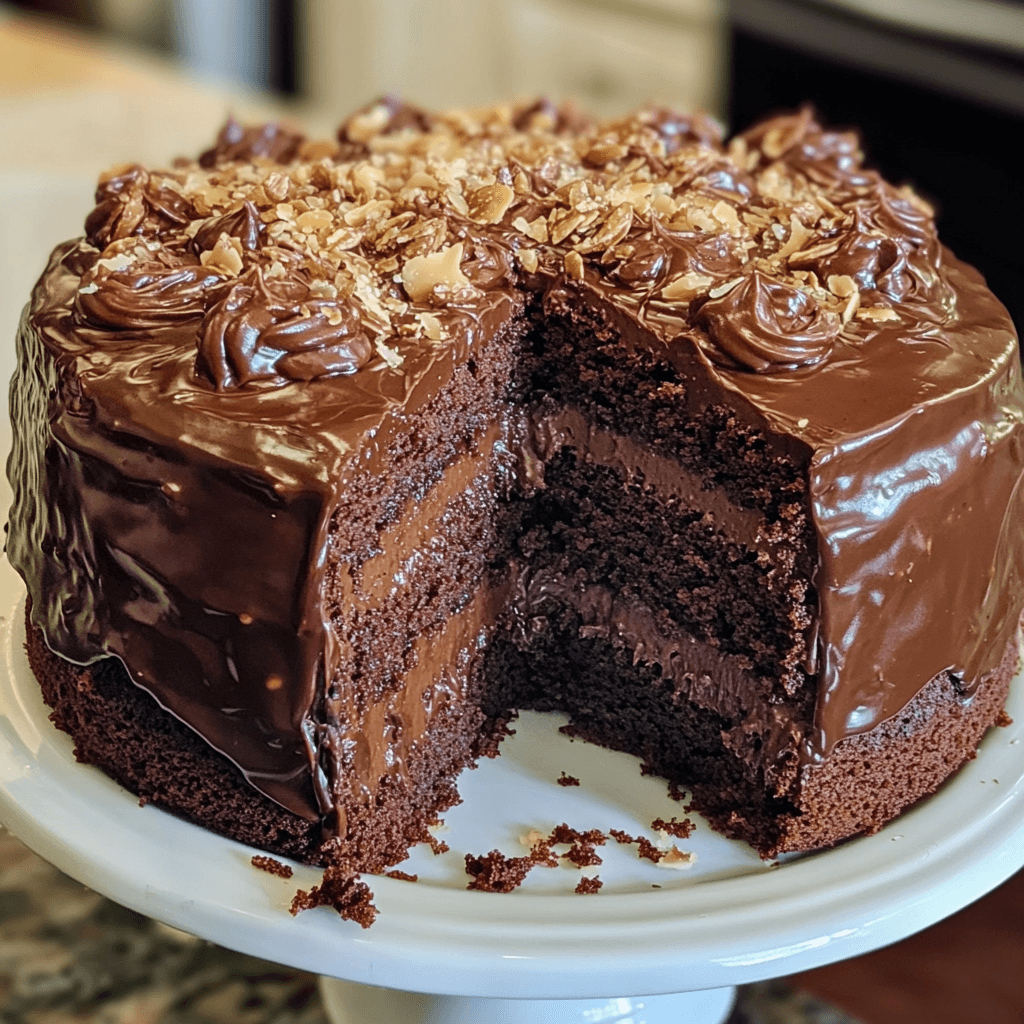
(422, 274)
(726, 214)
(120, 261)
(431, 325)
(798, 236)
(528, 258)
(851, 307)
(388, 216)
(225, 257)
(574, 265)
(561, 226)
(362, 127)
(724, 289)
(389, 355)
(487, 205)
(314, 220)
(686, 287)
(532, 838)
(677, 859)
(615, 229)
(276, 187)
(842, 285)
(605, 153)
(880, 314)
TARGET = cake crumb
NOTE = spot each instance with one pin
(666, 855)
(402, 876)
(567, 780)
(272, 866)
(589, 885)
(678, 829)
(437, 846)
(582, 855)
(581, 844)
(646, 850)
(565, 833)
(344, 892)
(494, 872)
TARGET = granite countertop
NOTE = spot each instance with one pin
(69, 954)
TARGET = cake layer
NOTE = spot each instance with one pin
(590, 522)
(364, 745)
(630, 682)
(821, 440)
(117, 726)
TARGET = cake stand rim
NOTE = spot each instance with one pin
(826, 907)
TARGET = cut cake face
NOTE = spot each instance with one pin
(347, 450)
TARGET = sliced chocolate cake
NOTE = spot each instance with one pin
(331, 456)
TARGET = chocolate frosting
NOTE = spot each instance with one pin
(237, 142)
(243, 224)
(152, 296)
(258, 332)
(235, 341)
(764, 325)
(129, 203)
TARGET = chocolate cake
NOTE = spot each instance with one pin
(331, 456)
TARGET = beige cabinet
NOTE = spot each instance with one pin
(609, 55)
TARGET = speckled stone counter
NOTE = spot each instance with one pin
(69, 955)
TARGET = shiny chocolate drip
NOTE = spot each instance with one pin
(198, 561)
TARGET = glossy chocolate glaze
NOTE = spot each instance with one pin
(203, 378)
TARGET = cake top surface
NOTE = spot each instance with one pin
(362, 262)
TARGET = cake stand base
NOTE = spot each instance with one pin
(349, 1003)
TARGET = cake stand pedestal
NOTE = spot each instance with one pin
(729, 920)
(348, 1002)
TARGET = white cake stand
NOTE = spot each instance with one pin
(542, 953)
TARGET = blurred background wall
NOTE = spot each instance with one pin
(935, 86)
(610, 55)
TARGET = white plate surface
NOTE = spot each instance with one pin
(729, 920)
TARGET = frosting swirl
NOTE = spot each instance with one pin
(243, 224)
(271, 141)
(384, 116)
(128, 202)
(278, 332)
(831, 160)
(676, 130)
(146, 296)
(767, 326)
(487, 263)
